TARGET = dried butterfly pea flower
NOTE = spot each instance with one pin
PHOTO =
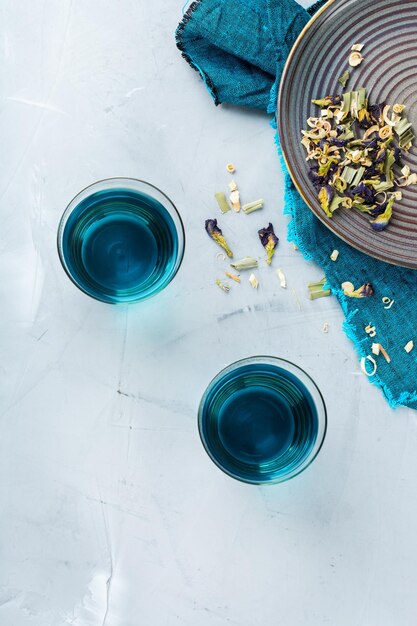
(269, 241)
(216, 234)
(326, 195)
(328, 101)
(381, 221)
(363, 292)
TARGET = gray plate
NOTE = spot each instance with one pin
(388, 29)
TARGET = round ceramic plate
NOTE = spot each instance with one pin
(388, 30)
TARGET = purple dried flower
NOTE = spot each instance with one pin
(216, 234)
(269, 240)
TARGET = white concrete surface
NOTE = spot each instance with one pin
(111, 512)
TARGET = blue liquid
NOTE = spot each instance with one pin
(259, 422)
(120, 245)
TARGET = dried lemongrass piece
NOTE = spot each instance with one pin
(282, 279)
(347, 287)
(316, 290)
(252, 206)
(370, 330)
(223, 286)
(334, 255)
(384, 197)
(326, 327)
(363, 365)
(230, 168)
(390, 121)
(370, 131)
(233, 277)
(385, 132)
(409, 346)
(222, 202)
(387, 302)
(234, 196)
(355, 59)
(357, 47)
(343, 79)
(398, 108)
(246, 263)
(254, 281)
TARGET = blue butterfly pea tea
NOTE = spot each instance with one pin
(262, 420)
(121, 240)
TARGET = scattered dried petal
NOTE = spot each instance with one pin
(363, 365)
(235, 200)
(269, 240)
(409, 346)
(233, 277)
(282, 278)
(216, 234)
(357, 47)
(223, 286)
(334, 255)
(231, 168)
(232, 185)
(326, 327)
(376, 348)
(254, 281)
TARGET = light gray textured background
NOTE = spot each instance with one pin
(111, 512)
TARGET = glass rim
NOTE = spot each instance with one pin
(312, 388)
(75, 201)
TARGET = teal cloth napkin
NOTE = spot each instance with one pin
(240, 47)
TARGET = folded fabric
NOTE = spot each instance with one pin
(240, 47)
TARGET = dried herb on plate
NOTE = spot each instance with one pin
(353, 156)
